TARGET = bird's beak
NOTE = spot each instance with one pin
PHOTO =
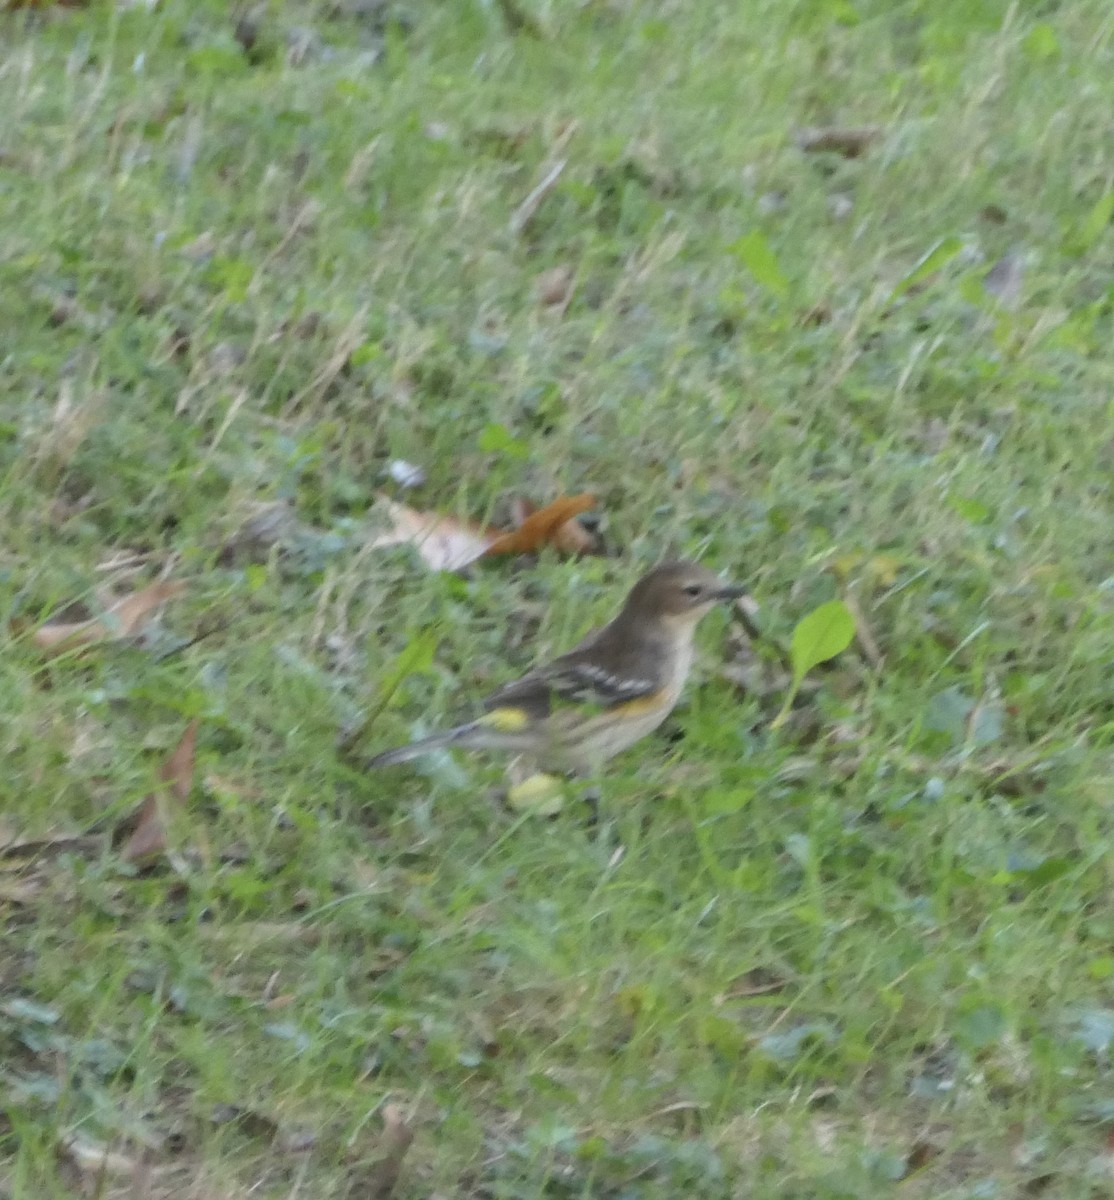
(730, 591)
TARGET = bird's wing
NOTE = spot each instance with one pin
(583, 676)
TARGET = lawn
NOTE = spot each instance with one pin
(818, 292)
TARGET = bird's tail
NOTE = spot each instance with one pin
(436, 741)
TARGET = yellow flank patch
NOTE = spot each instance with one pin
(640, 707)
(506, 720)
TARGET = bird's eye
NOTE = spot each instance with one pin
(693, 589)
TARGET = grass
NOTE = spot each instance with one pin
(867, 954)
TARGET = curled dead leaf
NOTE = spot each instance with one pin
(147, 831)
(124, 619)
(570, 537)
(545, 527)
(397, 1138)
(447, 543)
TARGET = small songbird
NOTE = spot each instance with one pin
(615, 687)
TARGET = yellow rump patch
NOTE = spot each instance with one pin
(506, 720)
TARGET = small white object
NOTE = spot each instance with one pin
(406, 474)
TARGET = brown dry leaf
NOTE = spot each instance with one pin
(570, 537)
(147, 839)
(381, 1178)
(447, 543)
(544, 527)
(124, 619)
(851, 142)
(444, 542)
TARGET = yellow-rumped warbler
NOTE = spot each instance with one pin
(614, 688)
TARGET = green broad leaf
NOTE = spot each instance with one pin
(824, 633)
(943, 252)
(754, 252)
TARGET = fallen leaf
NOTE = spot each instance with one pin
(147, 839)
(544, 527)
(447, 543)
(570, 537)
(381, 1179)
(444, 542)
(124, 619)
(851, 142)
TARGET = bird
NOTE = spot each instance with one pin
(611, 690)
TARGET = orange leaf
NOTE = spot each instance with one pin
(123, 619)
(445, 543)
(544, 527)
(149, 826)
(569, 538)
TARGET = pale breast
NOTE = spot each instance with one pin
(603, 737)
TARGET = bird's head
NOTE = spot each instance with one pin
(680, 591)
